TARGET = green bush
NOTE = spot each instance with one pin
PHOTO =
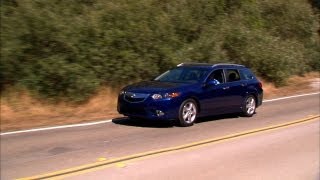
(268, 56)
(66, 49)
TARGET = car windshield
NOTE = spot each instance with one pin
(184, 75)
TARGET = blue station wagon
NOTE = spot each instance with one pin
(193, 90)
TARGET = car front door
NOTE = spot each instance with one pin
(214, 94)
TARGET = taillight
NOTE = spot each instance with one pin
(260, 84)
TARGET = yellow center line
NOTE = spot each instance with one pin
(106, 163)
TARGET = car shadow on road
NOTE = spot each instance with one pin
(143, 122)
(217, 117)
(167, 124)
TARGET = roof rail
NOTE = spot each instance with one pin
(194, 64)
(207, 64)
(228, 64)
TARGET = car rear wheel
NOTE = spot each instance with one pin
(188, 113)
(249, 106)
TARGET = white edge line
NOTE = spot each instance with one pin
(57, 127)
(110, 120)
(289, 97)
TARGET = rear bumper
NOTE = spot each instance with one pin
(259, 99)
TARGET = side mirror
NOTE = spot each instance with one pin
(211, 83)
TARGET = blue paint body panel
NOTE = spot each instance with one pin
(228, 96)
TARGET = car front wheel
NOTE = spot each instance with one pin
(188, 113)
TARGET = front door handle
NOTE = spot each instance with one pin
(243, 84)
(225, 88)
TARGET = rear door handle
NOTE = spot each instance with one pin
(244, 84)
(225, 88)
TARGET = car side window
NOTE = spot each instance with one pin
(217, 75)
(232, 75)
(247, 74)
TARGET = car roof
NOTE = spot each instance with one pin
(208, 65)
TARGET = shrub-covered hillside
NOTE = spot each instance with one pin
(68, 48)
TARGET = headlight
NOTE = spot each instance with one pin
(156, 96)
(166, 95)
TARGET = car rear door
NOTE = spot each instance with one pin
(235, 89)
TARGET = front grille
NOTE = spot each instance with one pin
(135, 97)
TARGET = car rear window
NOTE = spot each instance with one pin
(247, 74)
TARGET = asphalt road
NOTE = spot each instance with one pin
(286, 153)
(291, 153)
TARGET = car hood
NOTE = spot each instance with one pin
(154, 87)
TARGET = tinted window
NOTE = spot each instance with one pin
(217, 75)
(232, 75)
(247, 74)
(184, 74)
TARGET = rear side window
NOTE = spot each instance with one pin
(247, 74)
(232, 75)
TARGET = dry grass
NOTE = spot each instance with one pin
(20, 111)
(295, 85)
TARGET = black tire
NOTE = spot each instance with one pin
(249, 106)
(188, 113)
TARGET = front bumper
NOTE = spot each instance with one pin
(163, 109)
